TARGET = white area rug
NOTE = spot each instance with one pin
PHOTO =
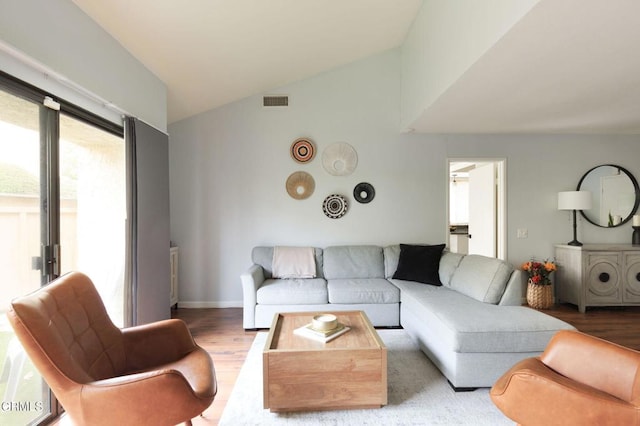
(418, 394)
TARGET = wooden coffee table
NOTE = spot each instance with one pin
(303, 374)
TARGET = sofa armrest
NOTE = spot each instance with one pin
(252, 279)
(512, 295)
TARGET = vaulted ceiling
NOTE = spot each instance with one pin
(212, 52)
(568, 66)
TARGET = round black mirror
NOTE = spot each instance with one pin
(615, 194)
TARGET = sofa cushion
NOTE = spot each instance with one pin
(391, 257)
(353, 262)
(482, 278)
(292, 292)
(362, 290)
(448, 264)
(419, 263)
(263, 256)
(462, 324)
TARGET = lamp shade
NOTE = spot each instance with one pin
(574, 200)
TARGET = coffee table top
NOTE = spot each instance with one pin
(361, 336)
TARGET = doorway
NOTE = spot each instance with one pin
(476, 206)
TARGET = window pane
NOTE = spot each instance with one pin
(93, 209)
(25, 396)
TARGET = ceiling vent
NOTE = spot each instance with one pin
(275, 101)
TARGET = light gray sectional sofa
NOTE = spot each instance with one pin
(472, 327)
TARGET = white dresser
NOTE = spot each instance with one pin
(598, 275)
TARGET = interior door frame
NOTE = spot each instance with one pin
(501, 198)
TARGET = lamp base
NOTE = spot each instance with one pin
(575, 241)
(635, 236)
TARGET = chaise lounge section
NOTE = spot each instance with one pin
(470, 328)
(468, 320)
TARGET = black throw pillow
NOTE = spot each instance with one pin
(419, 263)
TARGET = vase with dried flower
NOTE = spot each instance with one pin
(539, 289)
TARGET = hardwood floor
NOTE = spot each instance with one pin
(620, 325)
(220, 332)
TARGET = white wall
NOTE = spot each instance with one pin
(58, 35)
(446, 38)
(228, 169)
(540, 166)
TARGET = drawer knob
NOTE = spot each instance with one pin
(604, 277)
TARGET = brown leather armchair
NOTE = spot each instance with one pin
(153, 374)
(578, 380)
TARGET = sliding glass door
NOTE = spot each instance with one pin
(25, 396)
(62, 208)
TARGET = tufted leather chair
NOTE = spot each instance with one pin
(152, 374)
(578, 380)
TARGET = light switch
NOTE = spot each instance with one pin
(523, 233)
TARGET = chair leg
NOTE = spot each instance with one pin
(188, 422)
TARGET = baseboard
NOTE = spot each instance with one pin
(201, 305)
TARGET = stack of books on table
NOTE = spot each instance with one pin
(319, 335)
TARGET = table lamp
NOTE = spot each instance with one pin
(574, 200)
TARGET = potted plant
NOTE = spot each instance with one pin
(539, 290)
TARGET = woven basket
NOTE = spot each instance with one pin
(539, 296)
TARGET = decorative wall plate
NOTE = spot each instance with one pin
(303, 150)
(300, 185)
(334, 206)
(339, 159)
(364, 192)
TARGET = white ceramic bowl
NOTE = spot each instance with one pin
(324, 322)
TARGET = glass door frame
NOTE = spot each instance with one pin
(49, 119)
(50, 194)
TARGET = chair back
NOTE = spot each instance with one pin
(596, 363)
(66, 331)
